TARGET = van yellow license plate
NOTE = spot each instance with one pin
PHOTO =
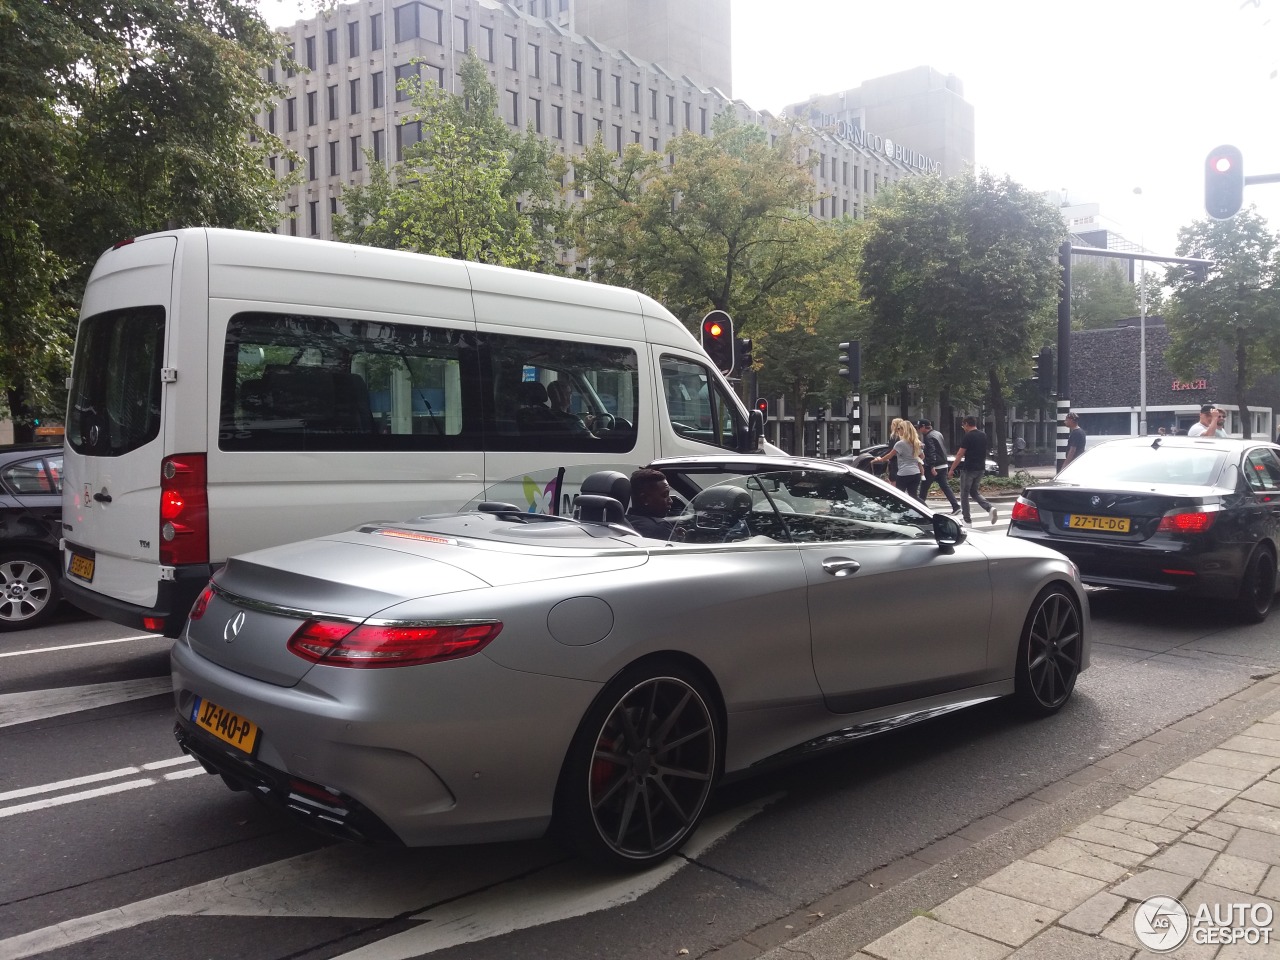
(1084, 521)
(81, 566)
(226, 726)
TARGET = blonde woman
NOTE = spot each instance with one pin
(906, 451)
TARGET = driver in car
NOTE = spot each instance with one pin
(651, 505)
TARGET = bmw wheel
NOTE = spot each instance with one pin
(29, 590)
(1258, 586)
(1049, 653)
(641, 768)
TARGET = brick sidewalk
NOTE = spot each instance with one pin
(1204, 829)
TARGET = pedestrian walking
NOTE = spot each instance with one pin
(1075, 439)
(907, 452)
(971, 460)
(936, 468)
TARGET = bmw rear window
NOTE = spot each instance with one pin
(1162, 464)
(114, 405)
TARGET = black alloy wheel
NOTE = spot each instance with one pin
(1050, 653)
(1258, 586)
(29, 591)
(640, 769)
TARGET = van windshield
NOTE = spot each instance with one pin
(114, 406)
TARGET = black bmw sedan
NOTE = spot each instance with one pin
(1193, 515)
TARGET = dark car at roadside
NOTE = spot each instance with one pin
(30, 526)
(1192, 515)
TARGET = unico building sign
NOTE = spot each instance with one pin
(853, 133)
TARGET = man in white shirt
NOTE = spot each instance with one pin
(1212, 423)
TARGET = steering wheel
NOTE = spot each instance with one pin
(604, 421)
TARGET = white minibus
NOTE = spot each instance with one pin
(235, 390)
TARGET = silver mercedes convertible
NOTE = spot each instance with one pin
(497, 673)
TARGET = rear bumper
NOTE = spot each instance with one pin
(1166, 566)
(173, 600)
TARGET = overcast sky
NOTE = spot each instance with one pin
(1096, 97)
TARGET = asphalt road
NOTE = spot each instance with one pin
(117, 846)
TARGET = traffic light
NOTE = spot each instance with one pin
(763, 406)
(851, 360)
(1043, 372)
(1223, 182)
(743, 358)
(717, 340)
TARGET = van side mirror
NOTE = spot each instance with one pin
(751, 437)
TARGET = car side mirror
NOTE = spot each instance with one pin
(947, 531)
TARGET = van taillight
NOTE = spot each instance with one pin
(184, 510)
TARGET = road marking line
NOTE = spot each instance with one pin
(183, 774)
(77, 646)
(76, 797)
(55, 702)
(94, 778)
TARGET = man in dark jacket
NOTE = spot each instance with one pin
(935, 464)
(650, 505)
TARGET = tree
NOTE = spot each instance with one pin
(1235, 312)
(726, 225)
(470, 189)
(1101, 293)
(958, 278)
(117, 120)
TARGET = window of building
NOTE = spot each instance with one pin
(375, 90)
(403, 72)
(535, 114)
(486, 44)
(271, 120)
(844, 207)
(599, 135)
(513, 104)
(309, 45)
(576, 66)
(557, 119)
(653, 104)
(556, 63)
(688, 115)
(271, 165)
(331, 94)
(293, 220)
(653, 144)
(311, 108)
(578, 132)
(617, 90)
(671, 110)
(437, 74)
(333, 158)
(313, 218)
(844, 172)
(419, 20)
(535, 61)
(290, 59)
(407, 134)
(702, 120)
(356, 158)
(617, 139)
(293, 164)
(597, 82)
(271, 74)
(635, 97)
(291, 114)
(379, 145)
(331, 46)
(461, 34)
(333, 207)
(353, 95)
(311, 163)
(353, 38)
(635, 136)
(512, 46)
(375, 31)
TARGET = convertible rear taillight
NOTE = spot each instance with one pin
(338, 644)
(1024, 511)
(202, 602)
(1193, 522)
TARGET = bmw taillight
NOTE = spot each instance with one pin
(1024, 511)
(338, 644)
(184, 510)
(1194, 521)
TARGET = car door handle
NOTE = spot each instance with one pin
(102, 497)
(840, 566)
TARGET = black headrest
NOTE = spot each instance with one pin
(725, 499)
(609, 483)
(533, 393)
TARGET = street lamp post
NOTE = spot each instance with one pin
(1142, 336)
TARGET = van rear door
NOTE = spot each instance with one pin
(111, 493)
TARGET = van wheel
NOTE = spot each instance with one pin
(1258, 586)
(29, 591)
(640, 768)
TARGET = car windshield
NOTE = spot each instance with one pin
(1162, 464)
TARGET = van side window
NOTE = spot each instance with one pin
(697, 405)
(293, 382)
(560, 395)
(114, 407)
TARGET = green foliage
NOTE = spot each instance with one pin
(959, 278)
(1234, 315)
(1101, 294)
(117, 120)
(471, 189)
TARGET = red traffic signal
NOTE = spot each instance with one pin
(763, 406)
(717, 339)
(1223, 182)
